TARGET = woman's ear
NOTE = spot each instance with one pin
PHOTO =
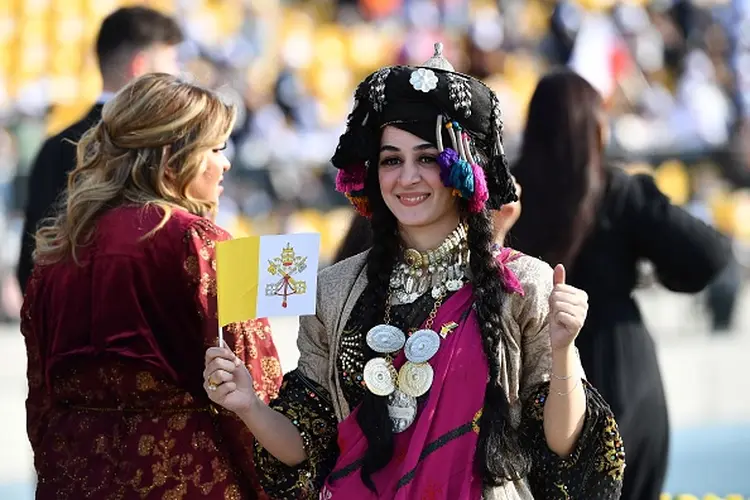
(169, 172)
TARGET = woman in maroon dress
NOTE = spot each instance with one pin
(122, 305)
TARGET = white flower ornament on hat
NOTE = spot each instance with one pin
(424, 80)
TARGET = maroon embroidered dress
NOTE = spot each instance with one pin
(116, 407)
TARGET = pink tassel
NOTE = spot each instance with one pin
(481, 195)
(352, 179)
(510, 281)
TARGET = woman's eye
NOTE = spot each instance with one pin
(427, 159)
(390, 162)
(222, 148)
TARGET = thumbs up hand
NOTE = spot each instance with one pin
(568, 307)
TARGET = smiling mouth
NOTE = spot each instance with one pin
(411, 200)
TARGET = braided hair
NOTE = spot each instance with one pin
(499, 456)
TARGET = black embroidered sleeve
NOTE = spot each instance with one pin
(595, 468)
(307, 405)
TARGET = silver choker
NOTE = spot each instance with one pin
(441, 270)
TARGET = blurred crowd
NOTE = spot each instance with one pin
(674, 72)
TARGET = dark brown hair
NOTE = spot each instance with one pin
(560, 169)
(134, 29)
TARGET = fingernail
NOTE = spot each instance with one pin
(237, 361)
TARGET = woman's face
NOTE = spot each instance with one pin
(207, 184)
(410, 182)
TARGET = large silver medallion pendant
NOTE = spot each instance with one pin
(380, 377)
(415, 379)
(385, 338)
(422, 345)
(402, 409)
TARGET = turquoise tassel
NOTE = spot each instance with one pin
(462, 178)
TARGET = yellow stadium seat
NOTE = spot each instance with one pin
(368, 49)
(32, 61)
(35, 6)
(337, 225)
(674, 181)
(166, 6)
(64, 89)
(329, 45)
(230, 17)
(98, 9)
(7, 8)
(69, 30)
(534, 19)
(64, 115)
(33, 29)
(91, 83)
(68, 7)
(8, 28)
(639, 168)
(723, 207)
(65, 60)
(6, 58)
(742, 216)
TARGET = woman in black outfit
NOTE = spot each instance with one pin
(600, 222)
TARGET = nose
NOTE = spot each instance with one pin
(410, 174)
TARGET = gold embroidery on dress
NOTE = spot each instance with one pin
(208, 285)
(144, 381)
(271, 368)
(191, 267)
(476, 420)
(611, 461)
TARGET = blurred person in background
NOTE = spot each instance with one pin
(722, 293)
(600, 222)
(121, 306)
(132, 41)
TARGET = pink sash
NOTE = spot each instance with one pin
(434, 458)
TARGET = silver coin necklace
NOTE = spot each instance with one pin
(415, 377)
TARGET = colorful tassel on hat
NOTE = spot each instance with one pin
(462, 178)
(481, 194)
(446, 159)
(351, 179)
(361, 204)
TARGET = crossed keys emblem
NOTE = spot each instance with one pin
(285, 267)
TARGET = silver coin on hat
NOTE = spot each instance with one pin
(415, 379)
(402, 409)
(385, 338)
(422, 345)
(379, 377)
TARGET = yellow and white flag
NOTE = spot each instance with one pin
(265, 276)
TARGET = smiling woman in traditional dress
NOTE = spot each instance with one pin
(435, 367)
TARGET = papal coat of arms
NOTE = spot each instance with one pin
(285, 267)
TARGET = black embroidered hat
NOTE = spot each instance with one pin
(468, 122)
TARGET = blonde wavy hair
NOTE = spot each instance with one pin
(146, 150)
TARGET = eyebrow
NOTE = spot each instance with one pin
(420, 147)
